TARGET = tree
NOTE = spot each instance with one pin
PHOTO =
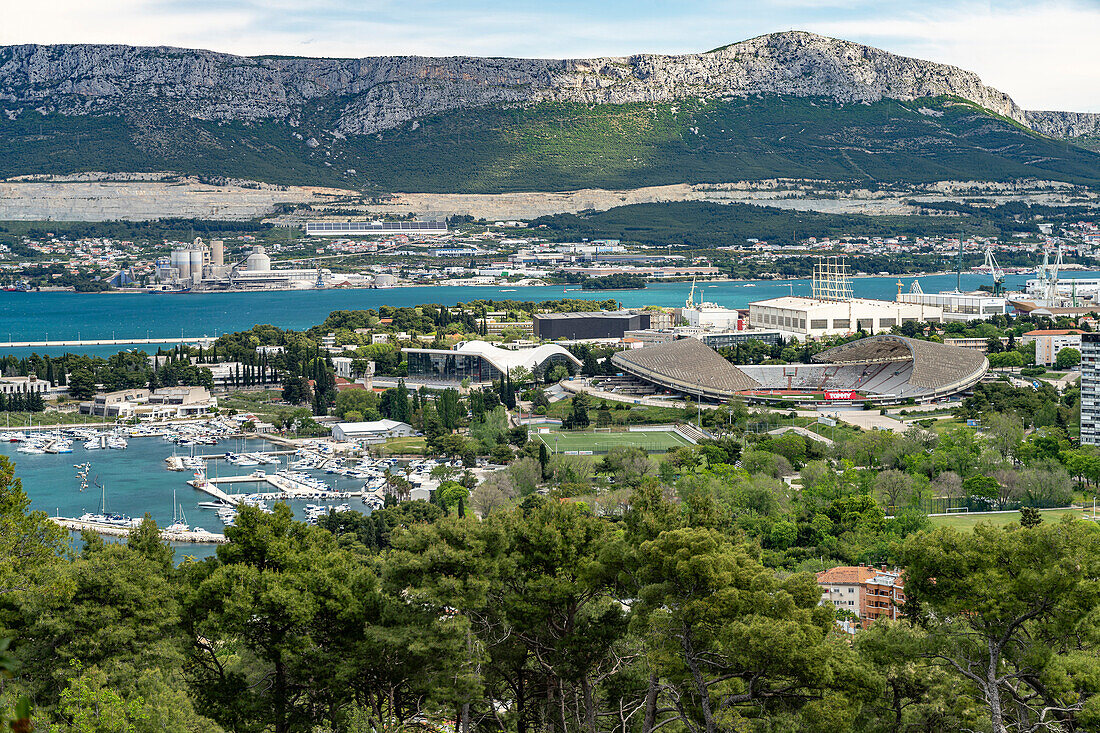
(726, 636)
(578, 415)
(30, 544)
(894, 486)
(1004, 432)
(1004, 608)
(82, 384)
(1030, 517)
(495, 492)
(1067, 358)
(270, 621)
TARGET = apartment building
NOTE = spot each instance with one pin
(1050, 341)
(1090, 389)
(870, 593)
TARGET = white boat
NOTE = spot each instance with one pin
(179, 520)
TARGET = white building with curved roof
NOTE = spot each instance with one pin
(480, 361)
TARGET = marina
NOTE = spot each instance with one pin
(107, 479)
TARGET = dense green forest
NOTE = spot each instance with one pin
(628, 593)
(707, 225)
(564, 146)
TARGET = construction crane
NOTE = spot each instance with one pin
(995, 270)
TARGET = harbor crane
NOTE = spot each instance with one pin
(1048, 278)
(996, 271)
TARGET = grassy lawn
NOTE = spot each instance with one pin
(24, 419)
(968, 520)
(257, 402)
(654, 442)
(403, 446)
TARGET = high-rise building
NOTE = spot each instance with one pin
(1090, 389)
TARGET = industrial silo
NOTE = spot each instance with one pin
(195, 257)
(181, 260)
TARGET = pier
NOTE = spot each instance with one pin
(111, 530)
(106, 342)
(284, 488)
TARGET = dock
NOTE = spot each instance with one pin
(111, 530)
(283, 489)
(219, 456)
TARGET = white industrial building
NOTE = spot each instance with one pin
(375, 431)
(958, 306)
(203, 266)
(710, 315)
(367, 228)
(813, 318)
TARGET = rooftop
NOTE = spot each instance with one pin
(686, 365)
(845, 574)
(505, 360)
(1055, 332)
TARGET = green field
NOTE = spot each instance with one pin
(654, 442)
(968, 520)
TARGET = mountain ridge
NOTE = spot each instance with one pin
(373, 94)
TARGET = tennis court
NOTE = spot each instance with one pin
(654, 441)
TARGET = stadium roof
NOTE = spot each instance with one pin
(505, 360)
(936, 366)
(686, 365)
(884, 367)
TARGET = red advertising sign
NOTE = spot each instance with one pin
(845, 395)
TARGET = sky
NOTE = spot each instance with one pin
(1044, 53)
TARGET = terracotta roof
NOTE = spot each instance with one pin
(845, 574)
(1055, 332)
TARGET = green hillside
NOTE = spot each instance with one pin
(700, 224)
(562, 147)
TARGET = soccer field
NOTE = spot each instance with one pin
(652, 441)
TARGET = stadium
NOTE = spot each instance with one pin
(883, 369)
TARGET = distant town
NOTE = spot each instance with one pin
(380, 254)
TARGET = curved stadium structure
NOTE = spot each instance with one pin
(879, 369)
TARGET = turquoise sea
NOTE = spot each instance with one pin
(46, 316)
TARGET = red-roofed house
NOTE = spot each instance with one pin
(868, 592)
(1048, 342)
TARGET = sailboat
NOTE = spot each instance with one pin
(179, 519)
(105, 517)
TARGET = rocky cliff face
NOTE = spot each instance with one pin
(359, 96)
(1065, 124)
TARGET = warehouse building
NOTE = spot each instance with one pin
(959, 306)
(375, 431)
(367, 228)
(596, 325)
(813, 318)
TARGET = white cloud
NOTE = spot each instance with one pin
(1044, 57)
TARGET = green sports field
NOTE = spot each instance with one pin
(652, 441)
